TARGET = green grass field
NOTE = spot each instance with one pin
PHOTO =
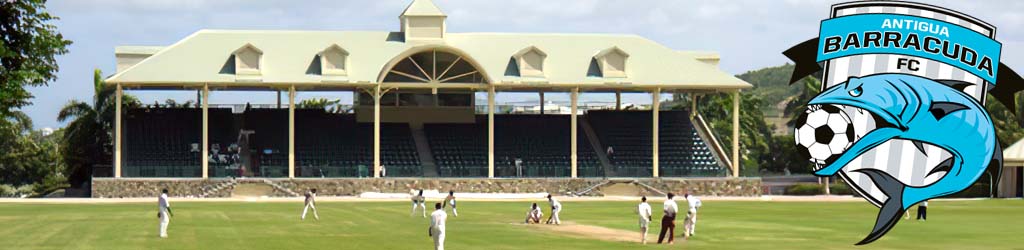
(984, 224)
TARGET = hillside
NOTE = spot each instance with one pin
(771, 85)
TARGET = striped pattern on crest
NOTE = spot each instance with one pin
(900, 158)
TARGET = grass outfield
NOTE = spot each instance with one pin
(983, 224)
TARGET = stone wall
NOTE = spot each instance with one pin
(708, 186)
(127, 187)
(349, 187)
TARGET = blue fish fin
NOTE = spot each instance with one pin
(955, 84)
(892, 209)
(869, 141)
(941, 109)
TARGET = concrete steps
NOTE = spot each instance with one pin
(423, 149)
(623, 189)
(591, 188)
(211, 191)
(252, 190)
(705, 133)
(619, 187)
(595, 145)
(260, 187)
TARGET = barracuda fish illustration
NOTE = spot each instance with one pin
(923, 111)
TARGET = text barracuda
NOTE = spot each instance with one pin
(899, 34)
(892, 39)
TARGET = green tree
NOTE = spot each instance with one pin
(771, 84)
(88, 136)
(28, 46)
(1008, 124)
(329, 105)
(809, 88)
(171, 103)
(13, 145)
(785, 156)
(28, 157)
(755, 134)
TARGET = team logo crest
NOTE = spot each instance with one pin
(901, 115)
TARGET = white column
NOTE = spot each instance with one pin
(117, 132)
(376, 132)
(655, 106)
(490, 132)
(206, 131)
(828, 188)
(693, 105)
(291, 131)
(575, 97)
(736, 134)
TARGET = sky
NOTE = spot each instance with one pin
(748, 34)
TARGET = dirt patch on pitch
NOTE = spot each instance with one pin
(576, 230)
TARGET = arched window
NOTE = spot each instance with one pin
(434, 67)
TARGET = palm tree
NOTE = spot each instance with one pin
(331, 106)
(88, 136)
(810, 87)
(20, 121)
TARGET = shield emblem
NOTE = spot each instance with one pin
(901, 158)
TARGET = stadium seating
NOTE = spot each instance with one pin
(335, 145)
(542, 142)
(158, 142)
(628, 133)
(164, 142)
(270, 141)
(223, 131)
(681, 151)
(459, 149)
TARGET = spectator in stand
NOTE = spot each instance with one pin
(519, 167)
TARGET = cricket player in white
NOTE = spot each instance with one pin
(436, 231)
(668, 221)
(644, 210)
(310, 203)
(534, 214)
(450, 200)
(690, 224)
(556, 207)
(164, 213)
(419, 201)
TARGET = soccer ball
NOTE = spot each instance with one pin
(823, 133)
